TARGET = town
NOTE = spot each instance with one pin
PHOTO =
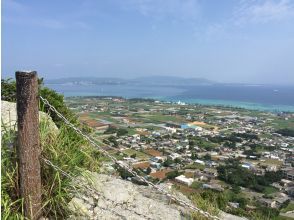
(243, 159)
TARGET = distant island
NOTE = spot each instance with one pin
(147, 80)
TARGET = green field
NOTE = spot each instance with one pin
(281, 123)
(269, 190)
(139, 155)
(165, 118)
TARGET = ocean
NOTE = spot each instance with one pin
(256, 97)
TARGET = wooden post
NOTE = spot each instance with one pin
(28, 143)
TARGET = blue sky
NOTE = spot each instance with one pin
(228, 41)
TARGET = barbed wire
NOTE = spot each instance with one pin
(126, 167)
(87, 187)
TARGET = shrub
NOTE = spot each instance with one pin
(67, 150)
(8, 93)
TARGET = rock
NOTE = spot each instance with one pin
(110, 198)
(119, 199)
(227, 216)
(79, 205)
(9, 118)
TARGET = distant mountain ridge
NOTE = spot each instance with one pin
(147, 80)
(87, 80)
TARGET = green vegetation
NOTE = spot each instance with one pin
(164, 118)
(196, 185)
(205, 205)
(279, 123)
(286, 132)
(139, 155)
(118, 131)
(202, 143)
(167, 162)
(173, 174)
(269, 190)
(8, 90)
(212, 201)
(195, 166)
(289, 207)
(234, 174)
(111, 140)
(8, 93)
(64, 148)
(124, 173)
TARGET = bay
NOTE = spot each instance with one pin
(257, 97)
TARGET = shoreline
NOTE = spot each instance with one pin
(205, 102)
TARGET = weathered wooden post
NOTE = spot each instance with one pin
(28, 142)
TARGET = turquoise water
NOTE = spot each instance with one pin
(246, 105)
(255, 98)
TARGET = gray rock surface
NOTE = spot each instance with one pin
(111, 198)
(9, 118)
(114, 198)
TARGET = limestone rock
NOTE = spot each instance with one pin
(111, 198)
(9, 118)
(114, 198)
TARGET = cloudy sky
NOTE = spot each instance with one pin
(228, 41)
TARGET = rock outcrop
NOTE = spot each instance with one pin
(111, 198)
(9, 118)
(114, 198)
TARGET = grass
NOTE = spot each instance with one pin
(139, 155)
(195, 166)
(272, 162)
(205, 205)
(131, 131)
(281, 123)
(186, 190)
(269, 190)
(289, 207)
(283, 218)
(165, 118)
(65, 149)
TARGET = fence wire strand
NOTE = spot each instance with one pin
(123, 165)
(93, 192)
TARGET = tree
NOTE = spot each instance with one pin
(191, 144)
(8, 93)
(123, 173)
(172, 174)
(134, 155)
(8, 90)
(167, 162)
(194, 156)
(148, 170)
(286, 132)
(236, 189)
(177, 160)
(207, 157)
(112, 139)
(110, 130)
(121, 132)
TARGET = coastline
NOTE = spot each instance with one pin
(167, 95)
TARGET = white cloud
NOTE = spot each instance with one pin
(263, 11)
(16, 13)
(185, 10)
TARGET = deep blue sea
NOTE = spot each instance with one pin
(258, 97)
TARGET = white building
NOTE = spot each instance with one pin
(200, 162)
(184, 180)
